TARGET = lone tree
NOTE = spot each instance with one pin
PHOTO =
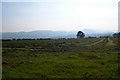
(80, 34)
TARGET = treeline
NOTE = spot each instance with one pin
(26, 39)
(99, 37)
(49, 38)
(31, 39)
(116, 35)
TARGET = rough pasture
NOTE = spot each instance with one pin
(61, 58)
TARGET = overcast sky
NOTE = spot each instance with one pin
(64, 15)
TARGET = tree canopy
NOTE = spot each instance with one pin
(80, 34)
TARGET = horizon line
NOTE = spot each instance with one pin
(60, 30)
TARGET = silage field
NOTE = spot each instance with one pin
(61, 58)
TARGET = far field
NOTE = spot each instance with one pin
(61, 58)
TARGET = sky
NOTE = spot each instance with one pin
(60, 15)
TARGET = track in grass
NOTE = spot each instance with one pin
(110, 43)
(96, 42)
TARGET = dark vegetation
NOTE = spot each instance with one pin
(80, 34)
(61, 58)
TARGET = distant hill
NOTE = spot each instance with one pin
(97, 33)
(39, 34)
(52, 34)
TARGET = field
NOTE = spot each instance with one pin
(61, 58)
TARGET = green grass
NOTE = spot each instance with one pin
(60, 59)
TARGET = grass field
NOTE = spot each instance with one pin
(61, 58)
